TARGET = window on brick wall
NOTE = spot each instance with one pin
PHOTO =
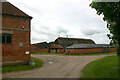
(0, 38)
(6, 38)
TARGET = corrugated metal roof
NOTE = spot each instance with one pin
(42, 45)
(89, 46)
(33, 46)
(65, 42)
(56, 46)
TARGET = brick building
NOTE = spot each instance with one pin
(89, 48)
(37, 49)
(56, 48)
(59, 45)
(65, 42)
(15, 33)
(45, 47)
(42, 45)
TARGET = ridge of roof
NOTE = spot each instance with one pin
(72, 38)
(89, 46)
(56, 46)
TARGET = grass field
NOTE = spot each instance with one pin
(74, 55)
(38, 64)
(106, 67)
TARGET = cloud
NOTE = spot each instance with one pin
(53, 18)
(3, 0)
(47, 34)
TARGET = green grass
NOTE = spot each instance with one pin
(38, 64)
(106, 67)
(97, 54)
(74, 55)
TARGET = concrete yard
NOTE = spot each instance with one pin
(63, 67)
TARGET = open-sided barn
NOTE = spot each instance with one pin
(65, 42)
(56, 48)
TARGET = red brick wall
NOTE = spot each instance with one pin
(0, 37)
(52, 51)
(76, 51)
(40, 51)
(47, 51)
(58, 51)
(61, 51)
(13, 52)
(0, 54)
(90, 50)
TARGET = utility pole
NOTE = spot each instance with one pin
(58, 35)
(67, 43)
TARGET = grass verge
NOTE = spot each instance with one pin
(106, 67)
(96, 54)
(38, 64)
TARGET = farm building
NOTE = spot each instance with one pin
(38, 49)
(15, 33)
(73, 46)
(60, 44)
(65, 42)
(56, 48)
(89, 48)
(42, 45)
(45, 47)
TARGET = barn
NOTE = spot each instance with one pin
(15, 33)
(45, 47)
(42, 45)
(65, 42)
(56, 48)
(59, 45)
(89, 48)
(64, 45)
(41, 48)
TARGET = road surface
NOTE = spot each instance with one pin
(62, 67)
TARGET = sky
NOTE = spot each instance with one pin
(62, 18)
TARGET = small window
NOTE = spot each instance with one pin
(3, 38)
(6, 38)
(36, 48)
(52, 48)
(0, 38)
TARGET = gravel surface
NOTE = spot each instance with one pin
(61, 67)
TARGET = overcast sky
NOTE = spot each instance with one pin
(53, 18)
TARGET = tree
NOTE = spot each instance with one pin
(111, 12)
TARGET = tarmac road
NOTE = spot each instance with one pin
(62, 67)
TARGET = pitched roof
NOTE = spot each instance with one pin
(10, 9)
(33, 46)
(42, 45)
(55, 46)
(89, 46)
(70, 41)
